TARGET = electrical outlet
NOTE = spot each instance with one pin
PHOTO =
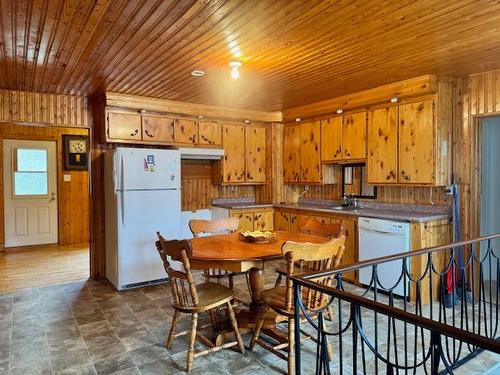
(448, 190)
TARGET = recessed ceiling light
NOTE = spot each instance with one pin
(298, 119)
(247, 121)
(142, 111)
(394, 99)
(197, 73)
(200, 116)
(340, 110)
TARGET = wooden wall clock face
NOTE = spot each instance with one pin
(75, 152)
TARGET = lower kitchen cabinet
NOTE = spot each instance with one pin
(290, 220)
(251, 220)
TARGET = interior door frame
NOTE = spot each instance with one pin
(58, 187)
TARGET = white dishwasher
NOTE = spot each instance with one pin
(379, 238)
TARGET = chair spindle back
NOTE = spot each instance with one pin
(181, 283)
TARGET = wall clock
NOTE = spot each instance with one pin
(75, 152)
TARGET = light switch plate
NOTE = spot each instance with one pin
(67, 178)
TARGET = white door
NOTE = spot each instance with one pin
(30, 192)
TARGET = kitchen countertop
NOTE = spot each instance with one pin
(389, 211)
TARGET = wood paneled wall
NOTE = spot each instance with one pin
(73, 196)
(44, 109)
(198, 190)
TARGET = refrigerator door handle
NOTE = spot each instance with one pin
(122, 195)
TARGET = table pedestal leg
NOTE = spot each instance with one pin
(249, 318)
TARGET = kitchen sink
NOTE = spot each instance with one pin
(344, 208)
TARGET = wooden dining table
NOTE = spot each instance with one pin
(230, 252)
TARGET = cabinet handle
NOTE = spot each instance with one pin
(248, 217)
(347, 153)
(134, 133)
(207, 140)
(391, 175)
(148, 134)
(405, 176)
(240, 177)
(192, 139)
(249, 176)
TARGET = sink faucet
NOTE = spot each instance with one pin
(350, 201)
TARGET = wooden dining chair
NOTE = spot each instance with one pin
(194, 299)
(314, 257)
(212, 227)
(311, 226)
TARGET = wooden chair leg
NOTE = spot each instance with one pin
(192, 339)
(170, 338)
(278, 280)
(231, 283)
(234, 324)
(291, 347)
(256, 332)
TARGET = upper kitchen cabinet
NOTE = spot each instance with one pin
(185, 131)
(291, 153)
(416, 143)
(244, 160)
(255, 154)
(310, 155)
(354, 136)
(210, 133)
(331, 139)
(382, 159)
(157, 129)
(123, 126)
(302, 155)
(408, 143)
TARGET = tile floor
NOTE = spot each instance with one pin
(87, 327)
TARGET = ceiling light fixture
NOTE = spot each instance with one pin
(197, 73)
(235, 71)
(200, 116)
(298, 119)
(247, 121)
(394, 99)
(142, 111)
(339, 111)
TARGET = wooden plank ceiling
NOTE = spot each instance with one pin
(293, 52)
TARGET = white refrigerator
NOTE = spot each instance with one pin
(143, 196)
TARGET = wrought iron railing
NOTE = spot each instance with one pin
(440, 311)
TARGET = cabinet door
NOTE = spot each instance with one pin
(210, 133)
(310, 156)
(416, 143)
(185, 131)
(382, 158)
(281, 220)
(296, 221)
(354, 136)
(351, 249)
(263, 220)
(255, 154)
(125, 126)
(157, 129)
(331, 139)
(291, 153)
(233, 163)
(246, 220)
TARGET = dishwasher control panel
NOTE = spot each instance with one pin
(387, 226)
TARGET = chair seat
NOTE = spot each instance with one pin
(275, 299)
(210, 295)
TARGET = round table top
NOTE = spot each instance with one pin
(231, 247)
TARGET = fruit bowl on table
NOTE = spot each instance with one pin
(258, 236)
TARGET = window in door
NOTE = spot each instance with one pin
(30, 171)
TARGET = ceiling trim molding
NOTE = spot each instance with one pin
(190, 109)
(413, 87)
